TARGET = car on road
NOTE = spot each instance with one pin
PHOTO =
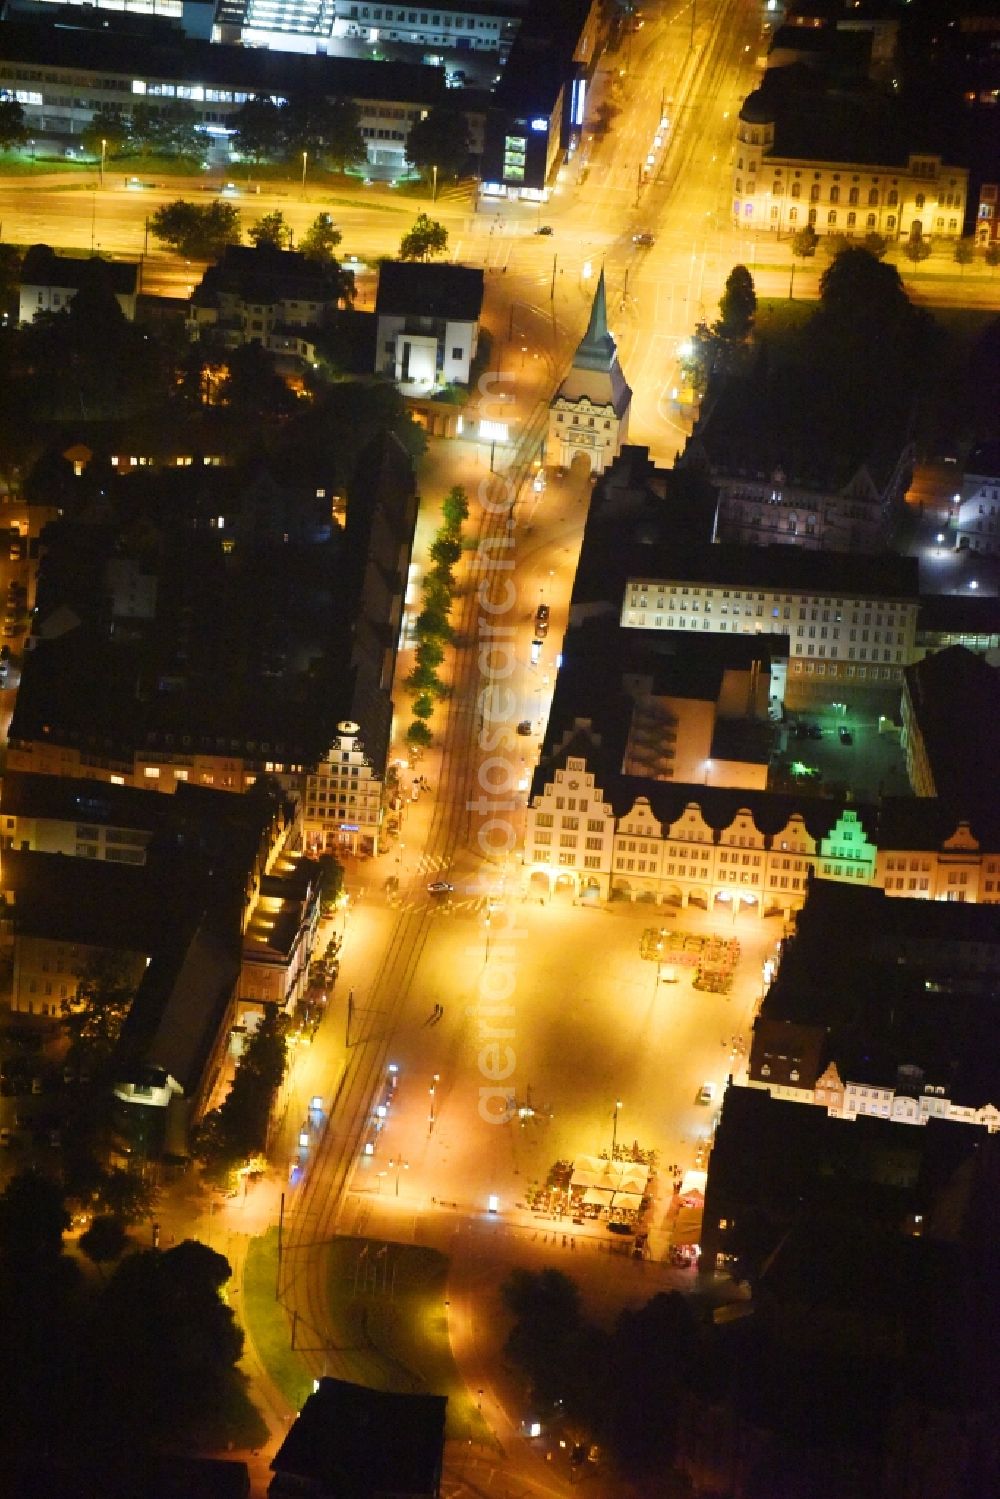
(846, 737)
(439, 887)
(536, 651)
(706, 1093)
(644, 238)
(524, 727)
(6, 1137)
(544, 229)
(541, 621)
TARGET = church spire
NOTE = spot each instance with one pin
(597, 348)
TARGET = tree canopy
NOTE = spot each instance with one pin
(321, 239)
(440, 139)
(270, 230)
(109, 125)
(737, 305)
(13, 130)
(426, 238)
(197, 231)
(33, 1219)
(237, 1129)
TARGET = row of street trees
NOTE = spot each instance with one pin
(237, 1130)
(432, 628)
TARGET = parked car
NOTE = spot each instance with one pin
(524, 727)
(645, 238)
(6, 1137)
(542, 621)
(536, 651)
(846, 737)
(544, 229)
(439, 887)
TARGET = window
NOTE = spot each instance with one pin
(835, 195)
(831, 217)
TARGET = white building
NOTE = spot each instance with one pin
(977, 520)
(49, 282)
(427, 323)
(849, 618)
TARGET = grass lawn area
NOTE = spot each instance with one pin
(389, 1325)
(267, 1322)
(777, 316)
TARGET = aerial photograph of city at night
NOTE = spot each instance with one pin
(500, 749)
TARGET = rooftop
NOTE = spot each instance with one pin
(265, 274)
(777, 567)
(356, 1442)
(257, 70)
(411, 288)
(44, 267)
(955, 698)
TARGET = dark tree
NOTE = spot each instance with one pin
(455, 507)
(916, 248)
(253, 387)
(13, 131)
(171, 130)
(738, 305)
(445, 551)
(440, 139)
(33, 1219)
(426, 238)
(195, 231)
(326, 130)
(124, 1195)
(321, 239)
(104, 1241)
(804, 242)
(109, 125)
(168, 1302)
(271, 230)
(258, 131)
(237, 1129)
(93, 1017)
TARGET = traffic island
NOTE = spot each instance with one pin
(388, 1326)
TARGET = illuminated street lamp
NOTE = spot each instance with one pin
(431, 1090)
(104, 152)
(305, 161)
(398, 1166)
(614, 1130)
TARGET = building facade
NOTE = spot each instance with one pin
(625, 851)
(925, 197)
(864, 639)
(427, 323)
(343, 801)
(855, 518)
(977, 514)
(60, 77)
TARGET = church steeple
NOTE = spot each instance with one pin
(597, 347)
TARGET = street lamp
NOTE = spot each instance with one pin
(399, 1166)
(434, 188)
(104, 152)
(305, 161)
(614, 1132)
(431, 1090)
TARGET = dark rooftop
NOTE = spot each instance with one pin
(265, 274)
(955, 697)
(44, 267)
(356, 1443)
(411, 289)
(882, 576)
(254, 69)
(958, 614)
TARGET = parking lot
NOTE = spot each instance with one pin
(849, 749)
